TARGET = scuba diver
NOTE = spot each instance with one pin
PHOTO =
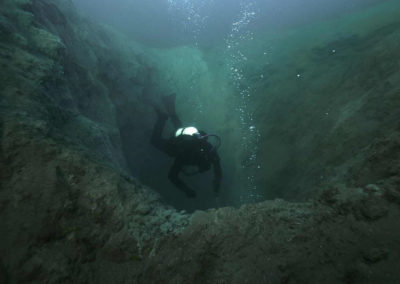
(189, 147)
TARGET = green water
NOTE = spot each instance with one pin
(302, 117)
(296, 105)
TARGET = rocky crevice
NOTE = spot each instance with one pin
(70, 212)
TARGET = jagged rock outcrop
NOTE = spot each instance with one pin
(67, 218)
(69, 212)
(62, 212)
(346, 236)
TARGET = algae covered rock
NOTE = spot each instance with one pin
(6, 27)
(46, 42)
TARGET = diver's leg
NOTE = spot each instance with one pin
(176, 121)
(156, 137)
(169, 103)
(173, 176)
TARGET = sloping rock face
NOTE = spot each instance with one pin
(43, 76)
(77, 75)
(325, 98)
(59, 134)
(70, 214)
(60, 211)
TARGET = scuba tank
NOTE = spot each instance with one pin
(192, 133)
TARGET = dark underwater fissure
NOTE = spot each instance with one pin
(309, 121)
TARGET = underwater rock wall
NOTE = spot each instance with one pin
(59, 91)
(322, 96)
(97, 79)
(83, 84)
(65, 196)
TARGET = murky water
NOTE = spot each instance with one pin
(230, 60)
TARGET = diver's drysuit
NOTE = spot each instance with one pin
(188, 150)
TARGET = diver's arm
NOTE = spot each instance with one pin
(173, 176)
(217, 173)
